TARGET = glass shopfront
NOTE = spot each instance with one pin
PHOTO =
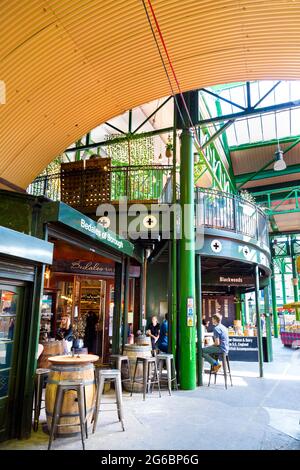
(11, 305)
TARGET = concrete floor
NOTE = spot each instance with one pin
(254, 414)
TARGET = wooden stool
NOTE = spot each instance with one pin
(225, 365)
(111, 375)
(41, 376)
(63, 387)
(147, 379)
(168, 359)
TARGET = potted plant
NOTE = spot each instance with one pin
(169, 149)
(79, 332)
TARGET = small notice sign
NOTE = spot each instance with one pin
(190, 311)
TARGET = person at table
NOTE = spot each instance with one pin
(65, 331)
(162, 342)
(221, 343)
(153, 330)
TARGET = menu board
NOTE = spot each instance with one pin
(242, 348)
(221, 304)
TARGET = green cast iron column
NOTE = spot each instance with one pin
(117, 314)
(238, 307)
(295, 277)
(174, 248)
(258, 324)
(199, 320)
(126, 302)
(243, 308)
(268, 323)
(282, 267)
(187, 347)
(274, 305)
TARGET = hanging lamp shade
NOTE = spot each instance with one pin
(279, 161)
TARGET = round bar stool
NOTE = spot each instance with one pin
(148, 380)
(102, 376)
(168, 361)
(62, 387)
(226, 369)
(41, 376)
(117, 361)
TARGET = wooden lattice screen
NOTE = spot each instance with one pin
(85, 185)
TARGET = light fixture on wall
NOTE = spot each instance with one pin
(279, 163)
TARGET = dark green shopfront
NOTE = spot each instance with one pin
(231, 259)
(26, 225)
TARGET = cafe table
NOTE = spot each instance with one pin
(71, 368)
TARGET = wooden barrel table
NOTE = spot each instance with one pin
(70, 368)
(51, 348)
(133, 351)
(143, 340)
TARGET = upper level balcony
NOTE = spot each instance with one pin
(220, 212)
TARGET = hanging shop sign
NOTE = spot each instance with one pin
(243, 348)
(90, 267)
(66, 215)
(235, 280)
(190, 311)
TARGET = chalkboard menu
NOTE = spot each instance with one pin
(243, 348)
(221, 304)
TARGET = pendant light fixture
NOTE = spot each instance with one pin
(279, 163)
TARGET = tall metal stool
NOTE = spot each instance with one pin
(117, 360)
(147, 380)
(111, 375)
(226, 367)
(62, 387)
(168, 361)
(41, 376)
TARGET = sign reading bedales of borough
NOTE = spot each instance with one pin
(243, 348)
(90, 267)
(71, 217)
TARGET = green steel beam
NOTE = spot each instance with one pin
(250, 112)
(253, 175)
(219, 97)
(152, 114)
(77, 150)
(267, 94)
(118, 140)
(290, 147)
(264, 143)
(226, 181)
(217, 133)
(225, 142)
(130, 121)
(113, 127)
(290, 170)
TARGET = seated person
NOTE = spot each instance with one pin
(153, 330)
(65, 331)
(162, 342)
(221, 343)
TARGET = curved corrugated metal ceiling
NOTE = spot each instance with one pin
(69, 65)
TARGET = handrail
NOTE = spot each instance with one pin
(220, 210)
